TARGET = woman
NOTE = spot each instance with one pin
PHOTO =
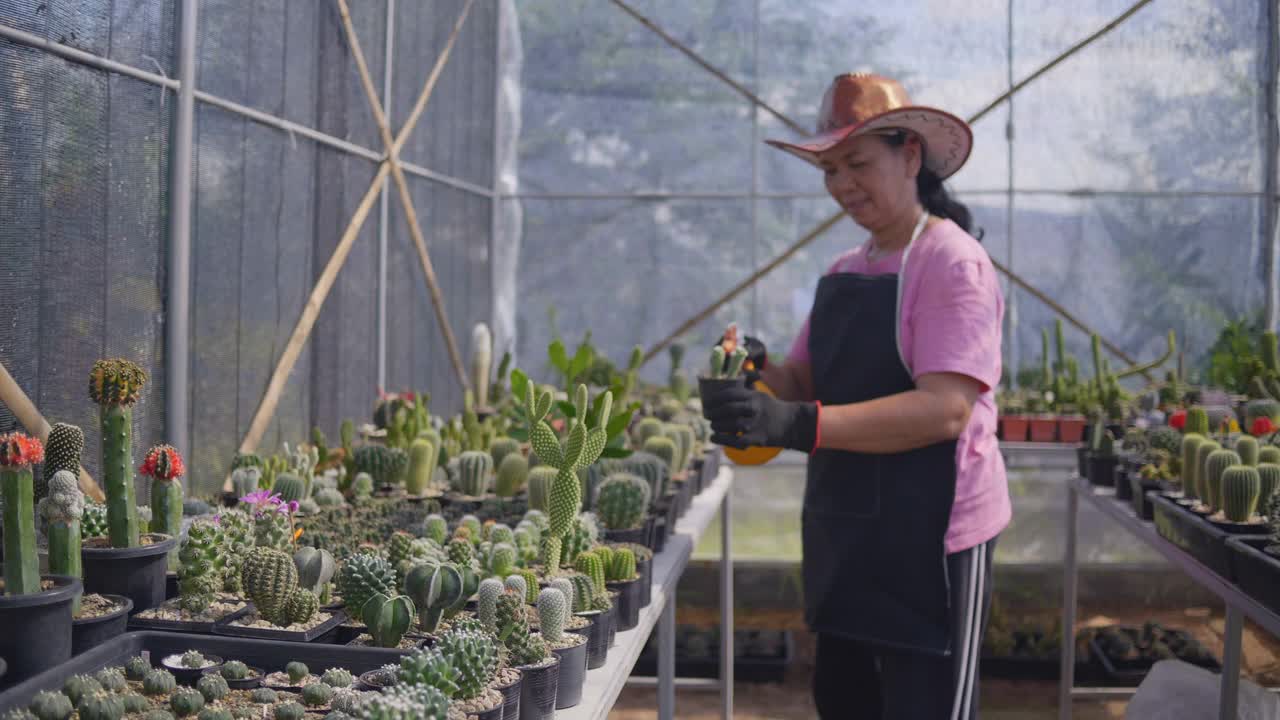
(889, 387)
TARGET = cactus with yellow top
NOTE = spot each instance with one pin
(115, 385)
(581, 447)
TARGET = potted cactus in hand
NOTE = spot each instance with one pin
(35, 610)
(125, 562)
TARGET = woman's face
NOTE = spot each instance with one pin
(873, 181)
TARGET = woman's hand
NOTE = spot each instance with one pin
(741, 418)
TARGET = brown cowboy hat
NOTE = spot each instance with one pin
(866, 104)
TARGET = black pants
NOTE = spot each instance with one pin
(856, 681)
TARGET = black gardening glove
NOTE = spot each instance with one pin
(742, 418)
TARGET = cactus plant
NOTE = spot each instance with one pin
(1207, 448)
(134, 703)
(51, 706)
(1268, 482)
(316, 568)
(263, 696)
(77, 687)
(474, 468)
(540, 481)
(289, 711)
(1241, 487)
(158, 682)
(1216, 464)
(164, 465)
(1197, 421)
(237, 541)
(512, 474)
(1248, 450)
(647, 428)
(406, 702)
(319, 694)
(234, 670)
(434, 589)
(383, 464)
(212, 713)
(136, 668)
(500, 448)
(185, 701)
(100, 705)
(62, 509)
(1191, 443)
(517, 585)
(664, 448)
(289, 486)
(297, 671)
(553, 611)
(682, 437)
(93, 523)
(423, 455)
(388, 618)
(200, 571)
(621, 501)
(622, 566)
(270, 580)
(490, 590)
(589, 564)
(430, 668)
(62, 451)
(115, 386)
(245, 480)
(361, 577)
(474, 655)
(436, 528)
(213, 687)
(18, 452)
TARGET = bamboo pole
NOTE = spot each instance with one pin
(14, 398)
(406, 199)
(306, 321)
(830, 222)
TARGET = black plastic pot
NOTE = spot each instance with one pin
(271, 656)
(627, 604)
(141, 623)
(659, 539)
(224, 627)
(185, 675)
(538, 687)
(1138, 489)
(170, 585)
(249, 683)
(137, 572)
(1082, 458)
(511, 698)
(597, 638)
(644, 568)
(1256, 571)
(1120, 481)
(611, 617)
(35, 629)
(638, 535)
(344, 633)
(1195, 535)
(493, 714)
(1102, 470)
(573, 673)
(91, 632)
(377, 679)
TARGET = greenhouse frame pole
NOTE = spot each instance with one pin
(384, 203)
(178, 303)
(1270, 208)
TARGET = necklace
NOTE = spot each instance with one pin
(874, 252)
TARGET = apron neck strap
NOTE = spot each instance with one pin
(902, 270)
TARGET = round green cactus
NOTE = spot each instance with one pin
(316, 694)
(337, 678)
(474, 655)
(406, 702)
(621, 501)
(214, 714)
(111, 679)
(262, 696)
(622, 566)
(589, 564)
(540, 481)
(235, 670)
(134, 703)
(296, 671)
(347, 700)
(270, 580)
(647, 428)
(158, 682)
(77, 687)
(474, 469)
(516, 585)
(158, 715)
(436, 528)
(1241, 487)
(289, 711)
(212, 687)
(185, 701)
(101, 705)
(553, 611)
(430, 668)
(361, 577)
(136, 668)
(51, 706)
(290, 487)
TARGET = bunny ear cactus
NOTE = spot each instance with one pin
(18, 452)
(387, 618)
(62, 509)
(316, 568)
(115, 385)
(434, 589)
(62, 451)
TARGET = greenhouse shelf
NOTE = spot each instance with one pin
(1238, 604)
(604, 684)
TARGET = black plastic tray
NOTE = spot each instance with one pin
(1192, 533)
(270, 656)
(1131, 673)
(224, 627)
(1256, 572)
(140, 623)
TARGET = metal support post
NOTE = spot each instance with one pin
(726, 607)
(384, 214)
(178, 303)
(667, 659)
(1068, 648)
(1230, 664)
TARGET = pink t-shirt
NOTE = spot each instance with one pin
(952, 312)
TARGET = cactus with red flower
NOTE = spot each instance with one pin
(18, 452)
(115, 386)
(164, 466)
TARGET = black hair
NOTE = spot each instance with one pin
(933, 194)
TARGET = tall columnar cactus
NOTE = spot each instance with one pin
(541, 479)
(245, 480)
(362, 576)
(682, 437)
(1197, 421)
(199, 570)
(115, 386)
(490, 590)
(1268, 483)
(271, 581)
(553, 611)
(664, 448)
(1241, 487)
(622, 566)
(61, 510)
(513, 471)
(1207, 448)
(565, 586)
(237, 542)
(388, 618)
(474, 469)
(501, 559)
(423, 455)
(436, 528)
(163, 464)
(584, 592)
(1247, 449)
(481, 360)
(18, 452)
(62, 451)
(316, 568)
(434, 589)
(501, 447)
(1191, 443)
(474, 655)
(1269, 454)
(621, 501)
(647, 428)
(516, 585)
(384, 464)
(290, 487)
(1215, 465)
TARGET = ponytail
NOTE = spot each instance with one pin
(933, 194)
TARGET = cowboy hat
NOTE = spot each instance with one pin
(866, 104)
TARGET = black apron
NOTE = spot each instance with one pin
(873, 525)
